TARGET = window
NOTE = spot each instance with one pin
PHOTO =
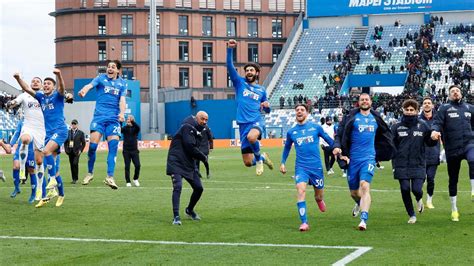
(277, 26)
(183, 51)
(207, 52)
(253, 52)
(127, 51)
(208, 96)
(277, 5)
(101, 70)
(158, 3)
(101, 3)
(183, 3)
(298, 5)
(183, 25)
(102, 47)
(229, 84)
(125, 3)
(127, 73)
(208, 4)
(206, 26)
(253, 5)
(276, 50)
(252, 27)
(231, 25)
(83, 3)
(230, 96)
(207, 77)
(232, 4)
(234, 55)
(102, 25)
(157, 23)
(184, 77)
(127, 24)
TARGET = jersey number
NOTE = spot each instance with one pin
(371, 168)
(116, 130)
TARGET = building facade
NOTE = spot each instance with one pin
(192, 36)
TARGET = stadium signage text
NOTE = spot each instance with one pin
(387, 3)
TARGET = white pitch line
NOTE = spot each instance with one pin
(359, 251)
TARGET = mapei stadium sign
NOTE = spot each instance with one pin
(327, 8)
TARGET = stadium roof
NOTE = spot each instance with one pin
(5, 87)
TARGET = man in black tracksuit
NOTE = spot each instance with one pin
(130, 150)
(183, 151)
(206, 144)
(409, 163)
(432, 153)
(454, 122)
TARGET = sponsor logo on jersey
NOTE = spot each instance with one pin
(417, 134)
(111, 90)
(366, 128)
(250, 94)
(304, 140)
(402, 134)
(453, 115)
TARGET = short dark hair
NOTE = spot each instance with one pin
(453, 86)
(38, 78)
(427, 98)
(410, 102)
(50, 79)
(254, 65)
(302, 104)
(116, 62)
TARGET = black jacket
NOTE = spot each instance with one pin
(206, 140)
(409, 160)
(78, 139)
(384, 147)
(184, 149)
(455, 121)
(432, 153)
(130, 136)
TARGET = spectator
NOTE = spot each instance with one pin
(74, 146)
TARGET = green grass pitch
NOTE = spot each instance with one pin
(236, 207)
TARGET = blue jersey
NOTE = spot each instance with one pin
(306, 140)
(16, 135)
(53, 111)
(249, 97)
(109, 91)
(363, 138)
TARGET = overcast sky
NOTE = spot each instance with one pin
(26, 39)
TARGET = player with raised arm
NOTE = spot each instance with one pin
(251, 100)
(52, 104)
(308, 167)
(108, 114)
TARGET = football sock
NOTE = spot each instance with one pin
(91, 155)
(16, 179)
(112, 157)
(454, 207)
(302, 211)
(34, 184)
(23, 156)
(60, 186)
(50, 165)
(254, 161)
(256, 150)
(472, 185)
(364, 216)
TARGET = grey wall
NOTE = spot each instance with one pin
(406, 19)
(456, 16)
(329, 22)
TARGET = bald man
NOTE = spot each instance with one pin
(130, 150)
(182, 154)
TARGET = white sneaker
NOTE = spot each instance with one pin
(355, 210)
(129, 184)
(344, 174)
(330, 172)
(412, 220)
(362, 226)
(136, 183)
(420, 206)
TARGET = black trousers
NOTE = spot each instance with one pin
(454, 164)
(74, 164)
(131, 156)
(195, 182)
(414, 185)
(329, 158)
(430, 177)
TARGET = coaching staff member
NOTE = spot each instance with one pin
(455, 124)
(183, 152)
(74, 146)
(130, 150)
(206, 144)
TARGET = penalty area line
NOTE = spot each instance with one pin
(359, 251)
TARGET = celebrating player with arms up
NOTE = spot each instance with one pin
(309, 169)
(108, 115)
(251, 99)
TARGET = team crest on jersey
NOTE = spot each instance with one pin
(467, 114)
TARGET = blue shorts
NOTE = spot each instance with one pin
(244, 130)
(59, 136)
(360, 170)
(314, 178)
(106, 128)
(30, 160)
